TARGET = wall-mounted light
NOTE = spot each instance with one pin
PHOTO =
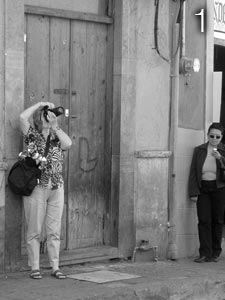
(188, 65)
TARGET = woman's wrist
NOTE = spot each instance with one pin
(56, 128)
(39, 104)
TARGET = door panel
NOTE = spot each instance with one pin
(59, 89)
(88, 193)
(36, 73)
(37, 59)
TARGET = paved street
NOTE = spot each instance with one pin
(162, 280)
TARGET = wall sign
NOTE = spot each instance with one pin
(219, 19)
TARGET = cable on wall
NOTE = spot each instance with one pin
(177, 20)
(156, 28)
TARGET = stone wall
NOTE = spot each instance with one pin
(124, 106)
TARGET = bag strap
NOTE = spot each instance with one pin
(47, 146)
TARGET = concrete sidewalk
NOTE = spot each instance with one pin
(162, 280)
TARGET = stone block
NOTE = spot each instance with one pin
(152, 118)
(129, 28)
(151, 202)
(14, 25)
(146, 256)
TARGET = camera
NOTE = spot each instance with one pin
(56, 110)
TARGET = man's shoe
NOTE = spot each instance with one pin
(202, 259)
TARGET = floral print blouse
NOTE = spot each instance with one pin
(51, 166)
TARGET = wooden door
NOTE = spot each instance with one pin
(67, 62)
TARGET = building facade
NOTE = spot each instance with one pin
(134, 118)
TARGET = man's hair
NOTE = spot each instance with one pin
(218, 126)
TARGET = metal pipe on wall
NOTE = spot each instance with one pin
(172, 250)
(177, 53)
(183, 29)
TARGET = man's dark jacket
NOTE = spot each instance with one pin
(198, 160)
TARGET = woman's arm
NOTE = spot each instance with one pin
(64, 139)
(27, 113)
(193, 188)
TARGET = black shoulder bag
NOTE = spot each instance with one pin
(24, 174)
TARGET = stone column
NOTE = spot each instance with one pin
(11, 103)
(124, 121)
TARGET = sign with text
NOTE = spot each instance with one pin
(219, 19)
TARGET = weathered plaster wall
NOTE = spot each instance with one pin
(152, 125)
(153, 77)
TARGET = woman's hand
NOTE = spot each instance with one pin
(194, 198)
(50, 104)
(52, 119)
(216, 154)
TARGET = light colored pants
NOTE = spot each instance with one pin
(44, 205)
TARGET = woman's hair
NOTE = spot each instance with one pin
(38, 125)
(218, 126)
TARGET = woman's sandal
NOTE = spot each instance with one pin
(35, 274)
(58, 274)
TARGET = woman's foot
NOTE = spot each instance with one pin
(202, 259)
(58, 274)
(215, 258)
(35, 274)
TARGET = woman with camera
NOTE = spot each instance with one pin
(45, 204)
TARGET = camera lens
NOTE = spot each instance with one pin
(58, 111)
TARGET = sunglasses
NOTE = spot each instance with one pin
(213, 136)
